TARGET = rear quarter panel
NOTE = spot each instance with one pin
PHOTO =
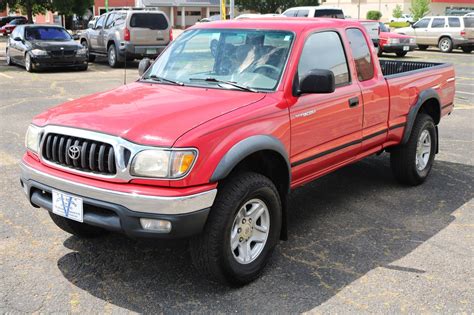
(404, 91)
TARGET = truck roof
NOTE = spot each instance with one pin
(279, 23)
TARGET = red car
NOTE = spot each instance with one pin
(394, 43)
(208, 143)
(7, 29)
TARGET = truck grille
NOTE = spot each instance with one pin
(80, 154)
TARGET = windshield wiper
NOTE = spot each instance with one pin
(234, 84)
(161, 79)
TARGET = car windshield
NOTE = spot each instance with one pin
(232, 59)
(46, 33)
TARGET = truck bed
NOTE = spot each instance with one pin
(396, 68)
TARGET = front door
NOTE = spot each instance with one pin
(435, 30)
(325, 128)
(421, 31)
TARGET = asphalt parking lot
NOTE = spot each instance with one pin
(359, 242)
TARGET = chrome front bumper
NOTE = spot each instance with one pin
(134, 202)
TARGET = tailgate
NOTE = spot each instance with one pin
(147, 28)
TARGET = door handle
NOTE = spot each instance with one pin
(353, 102)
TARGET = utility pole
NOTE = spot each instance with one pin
(223, 10)
(232, 12)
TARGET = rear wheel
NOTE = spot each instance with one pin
(76, 228)
(401, 53)
(445, 44)
(467, 50)
(422, 47)
(241, 232)
(112, 56)
(411, 163)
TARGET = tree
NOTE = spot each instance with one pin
(397, 12)
(272, 6)
(419, 8)
(30, 7)
(374, 15)
(67, 8)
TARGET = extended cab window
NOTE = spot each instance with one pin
(361, 53)
(324, 51)
(437, 23)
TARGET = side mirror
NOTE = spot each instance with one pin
(75, 37)
(317, 81)
(90, 24)
(98, 27)
(143, 66)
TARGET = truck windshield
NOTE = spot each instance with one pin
(245, 59)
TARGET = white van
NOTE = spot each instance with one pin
(319, 11)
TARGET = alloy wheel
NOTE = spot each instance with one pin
(423, 150)
(250, 231)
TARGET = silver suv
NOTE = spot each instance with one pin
(445, 32)
(127, 35)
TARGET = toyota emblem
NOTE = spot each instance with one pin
(74, 152)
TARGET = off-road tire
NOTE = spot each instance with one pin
(78, 229)
(403, 157)
(211, 252)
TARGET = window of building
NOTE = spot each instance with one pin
(361, 53)
(324, 51)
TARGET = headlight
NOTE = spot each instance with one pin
(39, 52)
(413, 40)
(163, 163)
(82, 51)
(32, 138)
(394, 41)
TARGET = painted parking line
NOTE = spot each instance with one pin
(6, 76)
(462, 92)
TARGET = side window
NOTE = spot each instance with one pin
(302, 13)
(110, 20)
(100, 22)
(454, 22)
(361, 53)
(422, 23)
(438, 23)
(324, 51)
(15, 32)
(290, 13)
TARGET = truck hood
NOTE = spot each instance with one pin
(145, 113)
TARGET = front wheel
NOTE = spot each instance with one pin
(90, 57)
(445, 45)
(401, 53)
(28, 63)
(411, 163)
(241, 232)
(422, 47)
(9, 58)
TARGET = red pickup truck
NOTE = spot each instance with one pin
(232, 116)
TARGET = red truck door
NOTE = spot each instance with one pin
(325, 128)
(374, 90)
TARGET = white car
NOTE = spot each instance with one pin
(319, 11)
(404, 18)
(469, 14)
